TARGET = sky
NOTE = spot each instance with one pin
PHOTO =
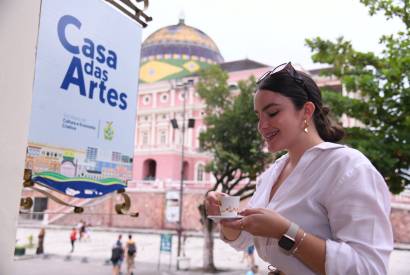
(274, 31)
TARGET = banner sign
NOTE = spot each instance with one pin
(85, 91)
(172, 206)
(165, 243)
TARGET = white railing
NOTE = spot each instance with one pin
(161, 185)
(167, 185)
(401, 201)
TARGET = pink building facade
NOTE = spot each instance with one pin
(158, 145)
(171, 58)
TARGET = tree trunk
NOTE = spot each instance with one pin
(208, 256)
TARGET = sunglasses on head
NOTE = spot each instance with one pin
(288, 68)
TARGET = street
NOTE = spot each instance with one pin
(90, 257)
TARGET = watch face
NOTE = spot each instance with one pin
(286, 243)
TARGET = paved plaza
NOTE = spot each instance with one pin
(91, 257)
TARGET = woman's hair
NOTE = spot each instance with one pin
(299, 91)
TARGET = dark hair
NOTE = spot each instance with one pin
(299, 93)
(130, 236)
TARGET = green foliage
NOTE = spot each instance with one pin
(383, 85)
(231, 134)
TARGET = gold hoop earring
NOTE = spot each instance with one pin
(306, 127)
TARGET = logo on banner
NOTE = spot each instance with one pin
(109, 131)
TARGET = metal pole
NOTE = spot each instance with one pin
(181, 184)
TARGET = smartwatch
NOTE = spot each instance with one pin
(287, 241)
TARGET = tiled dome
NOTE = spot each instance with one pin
(176, 51)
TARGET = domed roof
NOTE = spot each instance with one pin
(176, 51)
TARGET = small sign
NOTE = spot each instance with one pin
(166, 243)
(172, 207)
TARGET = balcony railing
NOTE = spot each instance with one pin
(160, 185)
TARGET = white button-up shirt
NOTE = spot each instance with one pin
(336, 194)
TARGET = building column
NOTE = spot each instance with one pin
(172, 94)
(153, 140)
(169, 134)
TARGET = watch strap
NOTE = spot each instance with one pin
(292, 231)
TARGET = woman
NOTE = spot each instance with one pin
(41, 236)
(131, 252)
(73, 238)
(117, 256)
(321, 208)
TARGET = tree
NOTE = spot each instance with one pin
(233, 140)
(381, 88)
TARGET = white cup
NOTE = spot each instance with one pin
(229, 206)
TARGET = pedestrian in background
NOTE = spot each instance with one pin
(131, 253)
(40, 246)
(81, 230)
(250, 255)
(87, 232)
(73, 238)
(117, 256)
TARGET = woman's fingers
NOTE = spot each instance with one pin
(214, 196)
(238, 224)
(210, 198)
(252, 211)
(212, 202)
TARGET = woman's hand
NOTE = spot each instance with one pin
(212, 203)
(260, 222)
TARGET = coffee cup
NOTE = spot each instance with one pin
(229, 206)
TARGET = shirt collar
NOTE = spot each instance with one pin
(321, 146)
(326, 146)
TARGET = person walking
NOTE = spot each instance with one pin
(250, 255)
(73, 238)
(81, 230)
(117, 256)
(40, 246)
(131, 253)
(87, 232)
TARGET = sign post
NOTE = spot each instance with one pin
(165, 246)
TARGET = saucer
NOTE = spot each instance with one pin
(219, 218)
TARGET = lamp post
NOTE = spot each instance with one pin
(191, 124)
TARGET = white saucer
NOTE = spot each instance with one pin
(219, 218)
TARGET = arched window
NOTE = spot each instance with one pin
(146, 99)
(185, 170)
(149, 169)
(164, 97)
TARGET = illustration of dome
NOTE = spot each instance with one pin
(176, 51)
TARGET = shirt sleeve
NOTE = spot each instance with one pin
(358, 210)
(244, 240)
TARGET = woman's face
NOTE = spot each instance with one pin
(280, 124)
